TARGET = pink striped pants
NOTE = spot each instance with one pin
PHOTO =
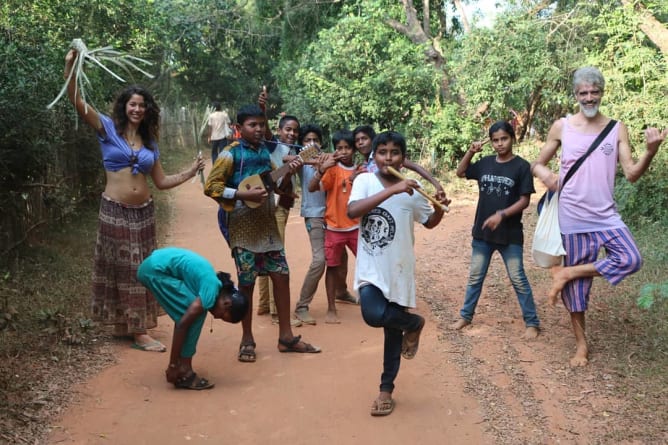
(622, 259)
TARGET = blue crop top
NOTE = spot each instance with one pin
(117, 154)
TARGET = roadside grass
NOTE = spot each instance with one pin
(48, 343)
(635, 341)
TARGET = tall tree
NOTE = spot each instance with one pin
(653, 28)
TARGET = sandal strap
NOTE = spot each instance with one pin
(187, 380)
(290, 343)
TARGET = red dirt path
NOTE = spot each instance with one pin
(482, 385)
(282, 398)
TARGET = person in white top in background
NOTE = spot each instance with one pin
(219, 130)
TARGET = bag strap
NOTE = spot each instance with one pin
(592, 147)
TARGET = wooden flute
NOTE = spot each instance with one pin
(419, 190)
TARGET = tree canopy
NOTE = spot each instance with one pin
(417, 67)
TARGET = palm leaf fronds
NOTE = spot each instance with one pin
(96, 57)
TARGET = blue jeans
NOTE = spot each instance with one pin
(395, 320)
(512, 258)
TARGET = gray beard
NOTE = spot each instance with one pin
(589, 112)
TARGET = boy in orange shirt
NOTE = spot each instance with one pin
(334, 177)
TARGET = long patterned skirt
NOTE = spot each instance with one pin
(126, 235)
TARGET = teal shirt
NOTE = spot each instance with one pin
(194, 275)
(176, 277)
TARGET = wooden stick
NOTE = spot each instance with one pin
(419, 190)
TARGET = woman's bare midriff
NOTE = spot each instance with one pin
(122, 186)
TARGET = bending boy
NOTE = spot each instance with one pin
(186, 286)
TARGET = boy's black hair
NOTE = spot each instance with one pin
(287, 118)
(390, 136)
(366, 129)
(306, 129)
(343, 135)
(239, 306)
(216, 106)
(248, 111)
(502, 125)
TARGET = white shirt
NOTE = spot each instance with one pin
(385, 256)
(219, 122)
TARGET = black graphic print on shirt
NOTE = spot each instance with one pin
(377, 230)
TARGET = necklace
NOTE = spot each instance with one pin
(131, 142)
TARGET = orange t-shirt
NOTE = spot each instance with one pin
(336, 182)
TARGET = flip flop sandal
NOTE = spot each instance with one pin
(382, 407)
(409, 346)
(247, 355)
(193, 382)
(291, 346)
(152, 346)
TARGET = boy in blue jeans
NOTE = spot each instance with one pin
(385, 268)
(505, 186)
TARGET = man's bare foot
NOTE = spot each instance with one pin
(459, 324)
(531, 332)
(581, 357)
(559, 280)
(332, 318)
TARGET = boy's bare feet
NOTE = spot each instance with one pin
(332, 318)
(531, 332)
(459, 324)
(581, 357)
(559, 280)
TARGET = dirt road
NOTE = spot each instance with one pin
(282, 398)
(483, 385)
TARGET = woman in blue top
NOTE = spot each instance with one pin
(186, 286)
(126, 230)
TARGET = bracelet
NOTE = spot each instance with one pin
(228, 193)
(502, 213)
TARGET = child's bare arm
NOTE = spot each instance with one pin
(324, 162)
(361, 207)
(476, 147)
(493, 221)
(440, 193)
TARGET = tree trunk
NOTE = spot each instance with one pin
(462, 14)
(653, 29)
(417, 34)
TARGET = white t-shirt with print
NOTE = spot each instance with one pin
(385, 256)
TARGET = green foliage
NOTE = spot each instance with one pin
(645, 201)
(359, 71)
(441, 134)
(61, 327)
(651, 293)
(523, 64)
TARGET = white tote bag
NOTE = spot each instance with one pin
(548, 249)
